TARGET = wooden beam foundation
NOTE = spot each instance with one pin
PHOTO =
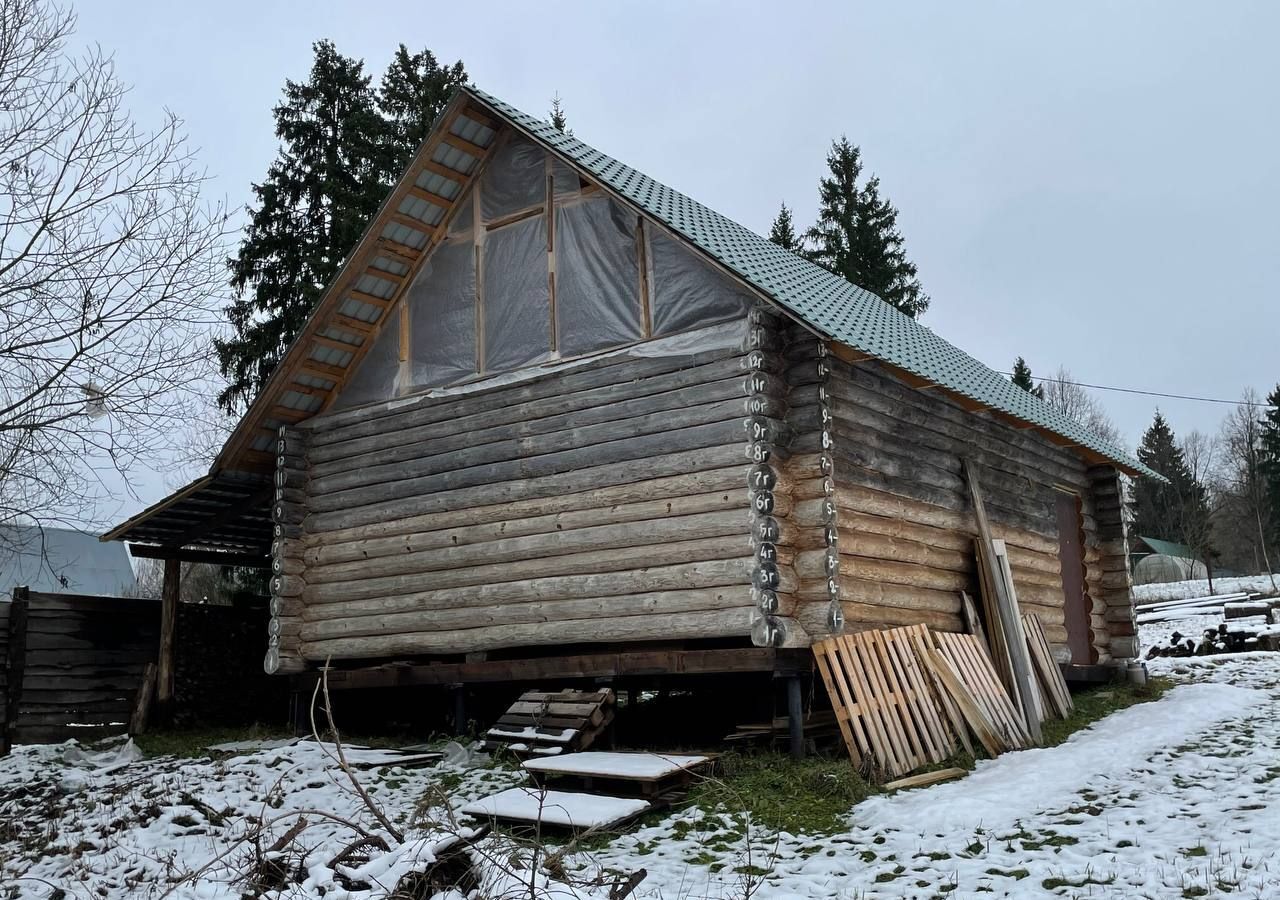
(635, 663)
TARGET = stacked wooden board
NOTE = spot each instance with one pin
(1169, 610)
(545, 723)
(1053, 687)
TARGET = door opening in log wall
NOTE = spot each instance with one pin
(1076, 604)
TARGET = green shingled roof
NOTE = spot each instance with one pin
(828, 302)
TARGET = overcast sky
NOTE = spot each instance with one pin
(1095, 186)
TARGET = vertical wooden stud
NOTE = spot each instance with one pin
(168, 629)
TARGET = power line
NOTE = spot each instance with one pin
(1122, 390)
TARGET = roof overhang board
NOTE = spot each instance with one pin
(365, 292)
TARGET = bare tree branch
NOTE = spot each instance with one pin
(111, 273)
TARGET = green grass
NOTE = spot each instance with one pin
(810, 796)
(1099, 702)
(193, 743)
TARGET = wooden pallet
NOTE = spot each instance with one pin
(620, 774)
(887, 706)
(543, 723)
(1053, 686)
(964, 656)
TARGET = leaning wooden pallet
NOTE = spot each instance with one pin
(887, 705)
(973, 667)
(550, 723)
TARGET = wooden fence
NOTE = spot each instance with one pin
(72, 664)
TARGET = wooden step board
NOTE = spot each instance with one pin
(562, 809)
(649, 774)
(543, 723)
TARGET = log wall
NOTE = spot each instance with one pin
(906, 528)
(603, 503)
(606, 503)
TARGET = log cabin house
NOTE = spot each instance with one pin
(554, 419)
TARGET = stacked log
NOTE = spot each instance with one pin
(1110, 584)
(288, 568)
(768, 448)
(601, 503)
(906, 527)
(812, 469)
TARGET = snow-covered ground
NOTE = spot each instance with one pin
(1166, 799)
(1186, 590)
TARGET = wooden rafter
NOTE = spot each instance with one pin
(238, 452)
(445, 172)
(412, 223)
(371, 299)
(402, 252)
(465, 145)
(429, 197)
(334, 343)
(356, 326)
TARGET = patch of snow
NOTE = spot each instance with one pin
(564, 808)
(529, 733)
(1186, 590)
(642, 766)
(248, 746)
(1015, 786)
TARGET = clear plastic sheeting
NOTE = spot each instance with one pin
(564, 180)
(464, 218)
(442, 317)
(515, 179)
(517, 300)
(687, 291)
(376, 375)
(597, 277)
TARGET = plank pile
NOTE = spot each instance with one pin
(819, 724)
(547, 724)
(1049, 678)
(1171, 610)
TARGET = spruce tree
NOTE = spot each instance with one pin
(342, 145)
(1022, 378)
(558, 119)
(1176, 510)
(783, 232)
(857, 235)
(414, 91)
(1269, 464)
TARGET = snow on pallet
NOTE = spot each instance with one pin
(623, 766)
(652, 775)
(549, 723)
(534, 806)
